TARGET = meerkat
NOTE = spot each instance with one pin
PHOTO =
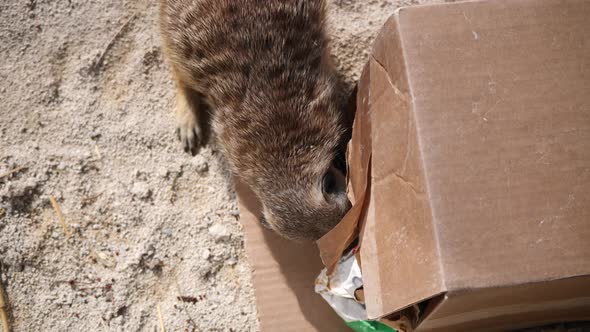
(263, 68)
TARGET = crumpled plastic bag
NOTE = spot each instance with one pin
(338, 289)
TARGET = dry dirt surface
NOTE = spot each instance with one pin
(86, 118)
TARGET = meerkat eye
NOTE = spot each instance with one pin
(329, 183)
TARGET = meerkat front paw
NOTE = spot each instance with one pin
(188, 132)
(187, 122)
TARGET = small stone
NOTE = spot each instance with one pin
(154, 264)
(167, 232)
(163, 172)
(235, 212)
(230, 298)
(141, 190)
(219, 233)
(105, 259)
(201, 166)
(205, 254)
(95, 135)
(204, 270)
(151, 250)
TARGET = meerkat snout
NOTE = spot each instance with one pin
(309, 212)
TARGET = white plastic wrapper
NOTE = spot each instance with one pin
(338, 289)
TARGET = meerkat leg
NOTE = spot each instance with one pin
(187, 118)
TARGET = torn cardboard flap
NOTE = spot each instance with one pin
(333, 244)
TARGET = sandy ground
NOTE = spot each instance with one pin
(86, 117)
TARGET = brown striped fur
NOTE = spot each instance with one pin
(264, 69)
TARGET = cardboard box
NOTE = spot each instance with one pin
(469, 173)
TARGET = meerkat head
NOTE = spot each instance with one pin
(291, 153)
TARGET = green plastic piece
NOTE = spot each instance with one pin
(369, 326)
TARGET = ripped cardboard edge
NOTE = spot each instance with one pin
(334, 243)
